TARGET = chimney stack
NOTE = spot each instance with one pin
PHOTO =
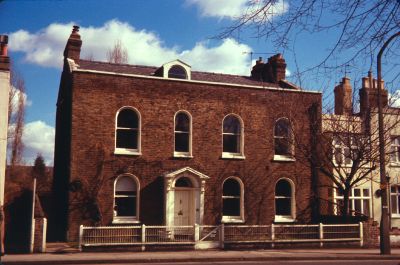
(369, 93)
(4, 59)
(272, 72)
(74, 44)
(343, 98)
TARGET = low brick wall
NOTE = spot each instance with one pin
(371, 233)
(39, 244)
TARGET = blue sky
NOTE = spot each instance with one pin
(154, 32)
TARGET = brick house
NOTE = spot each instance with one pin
(171, 146)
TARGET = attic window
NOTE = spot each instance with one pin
(177, 71)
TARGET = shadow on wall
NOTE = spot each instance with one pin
(18, 222)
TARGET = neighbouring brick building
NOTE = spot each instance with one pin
(170, 146)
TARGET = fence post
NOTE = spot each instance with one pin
(361, 234)
(222, 236)
(80, 237)
(272, 235)
(143, 237)
(321, 235)
(196, 232)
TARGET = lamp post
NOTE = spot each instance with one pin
(384, 225)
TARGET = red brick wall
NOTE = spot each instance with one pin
(96, 99)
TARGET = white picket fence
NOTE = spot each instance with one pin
(218, 236)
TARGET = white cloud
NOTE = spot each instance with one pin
(233, 9)
(16, 95)
(46, 46)
(38, 137)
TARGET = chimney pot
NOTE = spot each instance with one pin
(3, 45)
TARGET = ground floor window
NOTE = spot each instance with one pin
(232, 200)
(395, 200)
(284, 201)
(359, 201)
(125, 199)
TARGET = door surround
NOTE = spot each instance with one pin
(198, 181)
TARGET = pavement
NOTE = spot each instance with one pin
(74, 257)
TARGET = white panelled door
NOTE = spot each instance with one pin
(183, 207)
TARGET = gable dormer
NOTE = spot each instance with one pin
(175, 69)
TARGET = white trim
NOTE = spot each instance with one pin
(184, 154)
(197, 81)
(127, 151)
(167, 66)
(240, 154)
(292, 216)
(234, 219)
(284, 158)
(128, 219)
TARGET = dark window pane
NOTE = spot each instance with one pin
(366, 207)
(177, 71)
(394, 203)
(282, 146)
(125, 183)
(181, 142)
(128, 118)
(126, 193)
(127, 139)
(231, 207)
(125, 206)
(357, 206)
(282, 128)
(182, 122)
(231, 143)
(231, 188)
(231, 125)
(283, 206)
(357, 192)
(183, 182)
(283, 189)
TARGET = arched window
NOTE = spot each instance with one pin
(283, 138)
(127, 136)
(232, 200)
(183, 135)
(232, 136)
(177, 71)
(126, 200)
(284, 201)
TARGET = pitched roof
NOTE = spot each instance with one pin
(195, 75)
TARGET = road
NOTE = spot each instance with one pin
(284, 262)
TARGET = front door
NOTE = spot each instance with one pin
(183, 209)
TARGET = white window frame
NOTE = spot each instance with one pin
(234, 219)
(128, 151)
(338, 144)
(397, 194)
(292, 216)
(184, 154)
(353, 198)
(230, 155)
(289, 157)
(127, 219)
(395, 151)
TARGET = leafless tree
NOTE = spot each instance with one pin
(117, 54)
(16, 117)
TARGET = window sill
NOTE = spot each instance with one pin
(284, 219)
(394, 164)
(282, 158)
(233, 156)
(127, 220)
(182, 155)
(236, 220)
(127, 152)
(396, 216)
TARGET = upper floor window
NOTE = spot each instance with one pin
(183, 134)
(126, 201)
(284, 201)
(395, 200)
(177, 71)
(283, 139)
(395, 150)
(127, 135)
(345, 150)
(232, 200)
(232, 137)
